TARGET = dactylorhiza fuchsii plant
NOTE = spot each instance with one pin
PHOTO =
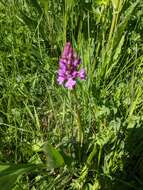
(68, 73)
(68, 68)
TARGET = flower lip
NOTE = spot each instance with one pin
(82, 74)
(61, 80)
(70, 84)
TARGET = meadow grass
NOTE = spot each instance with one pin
(38, 118)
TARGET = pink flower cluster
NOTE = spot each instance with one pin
(68, 67)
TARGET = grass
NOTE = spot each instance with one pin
(38, 118)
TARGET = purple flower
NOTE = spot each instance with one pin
(82, 74)
(68, 67)
(70, 84)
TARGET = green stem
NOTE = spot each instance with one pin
(80, 133)
(114, 21)
(96, 184)
(85, 169)
(112, 27)
(92, 154)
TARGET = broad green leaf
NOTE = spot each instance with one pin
(54, 158)
(3, 167)
(10, 173)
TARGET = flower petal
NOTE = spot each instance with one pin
(60, 80)
(61, 72)
(76, 62)
(67, 49)
(70, 84)
(82, 74)
(74, 74)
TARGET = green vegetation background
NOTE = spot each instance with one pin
(34, 109)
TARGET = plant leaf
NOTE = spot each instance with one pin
(123, 24)
(54, 158)
(9, 174)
